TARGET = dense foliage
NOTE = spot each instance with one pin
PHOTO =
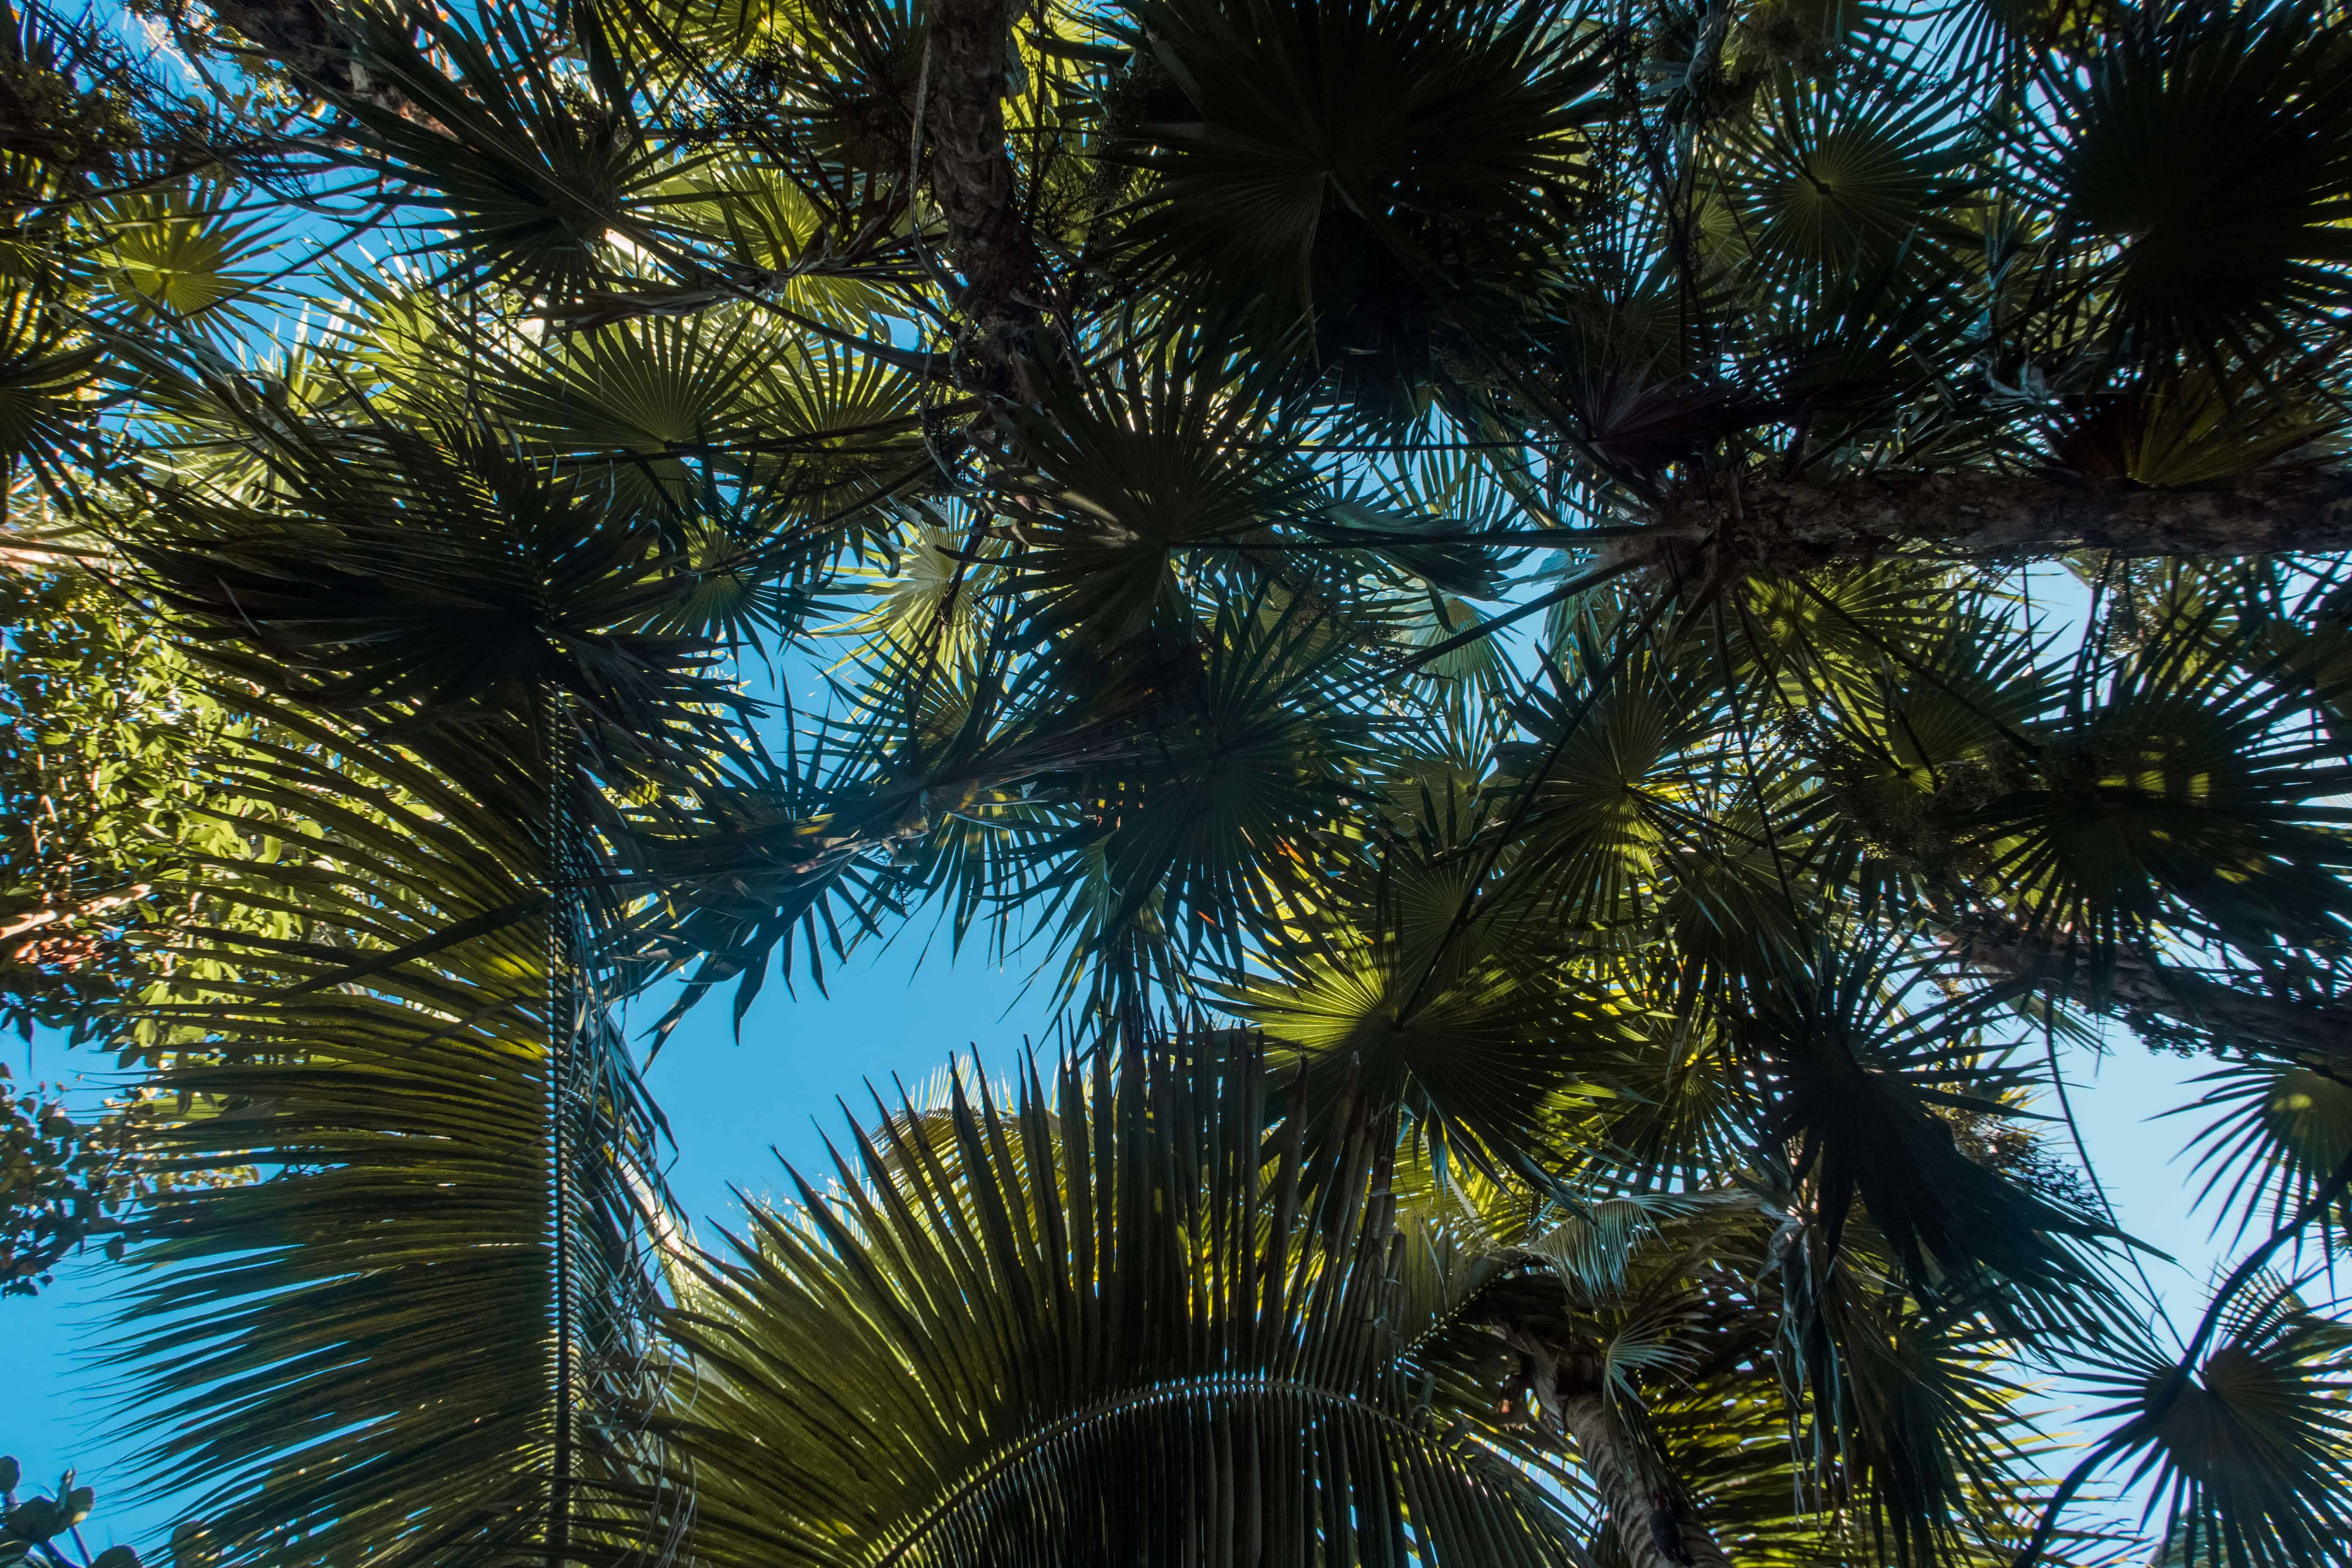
(1585, 645)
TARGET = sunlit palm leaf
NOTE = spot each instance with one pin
(1102, 1323)
(409, 1339)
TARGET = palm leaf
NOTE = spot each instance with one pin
(408, 1339)
(1851, 1081)
(2248, 1458)
(1319, 170)
(426, 576)
(2285, 1129)
(2215, 145)
(1119, 1317)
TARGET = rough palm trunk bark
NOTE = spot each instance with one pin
(2134, 990)
(971, 178)
(1653, 1532)
(1790, 525)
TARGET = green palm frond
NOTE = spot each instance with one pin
(408, 1338)
(2248, 1458)
(834, 435)
(929, 590)
(1926, 1420)
(2284, 1130)
(642, 388)
(1487, 1060)
(1594, 1251)
(790, 251)
(1121, 1303)
(1733, 909)
(1151, 482)
(45, 367)
(2173, 795)
(421, 575)
(1912, 1455)
(2212, 149)
(525, 169)
(1852, 1076)
(1613, 785)
(1816, 639)
(1908, 750)
(1343, 181)
(1197, 837)
(1683, 1114)
(177, 256)
(2190, 429)
(1831, 182)
(1133, 474)
(684, 414)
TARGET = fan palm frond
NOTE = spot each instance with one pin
(1854, 1077)
(1487, 1061)
(1195, 838)
(2248, 1457)
(347, 606)
(176, 256)
(2171, 796)
(526, 169)
(1832, 182)
(2212, 149)
(1121, 1301)
(411, 1337)
(44, 367)
(2285, 1129)
(1344, 181)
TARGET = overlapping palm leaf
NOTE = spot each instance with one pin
(412, 1334)
(1328, 179)
(1125, 1301)
(2214, 144)
(1487, 1049)
(2246, 1456)
(1854, 1079)
(422, 576)
(1663, 956)
(524, 168)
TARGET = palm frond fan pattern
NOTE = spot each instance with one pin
(1587, 652)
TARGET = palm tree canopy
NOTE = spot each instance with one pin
(1581, 645)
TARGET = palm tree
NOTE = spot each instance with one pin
(1458, 580)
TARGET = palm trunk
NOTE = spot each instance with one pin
(1653, 1532)
(304, 39)
(971, 178)
(1789, 526)
(2138, 991)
